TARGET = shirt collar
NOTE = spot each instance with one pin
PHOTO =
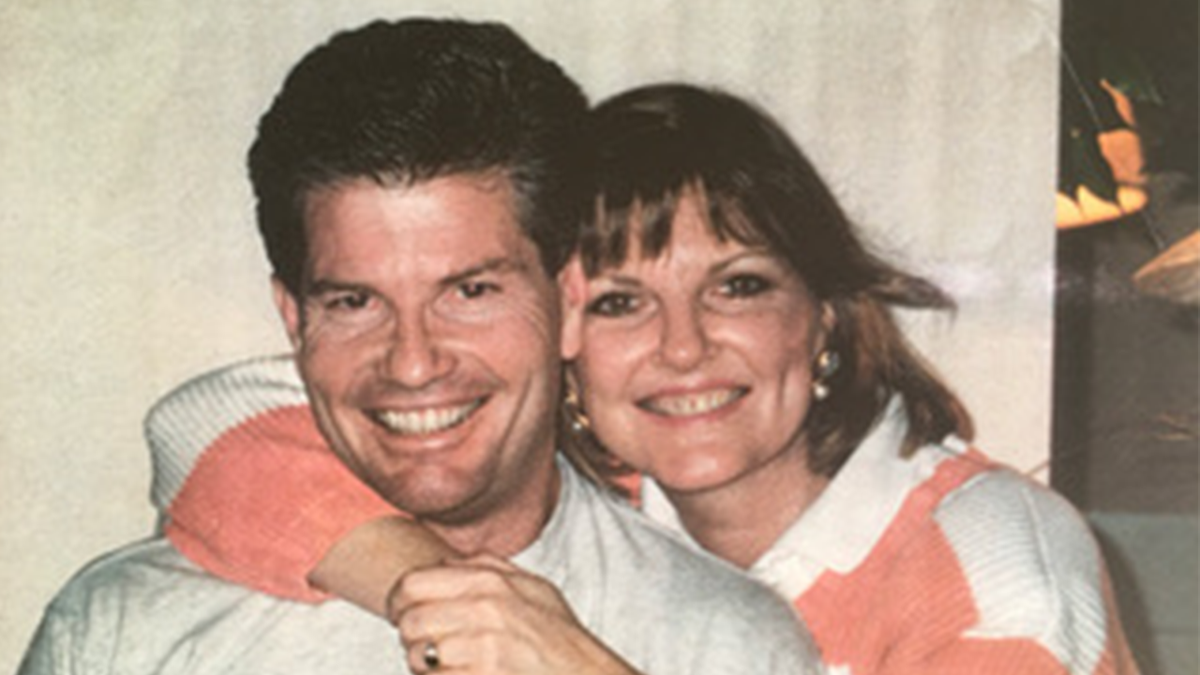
(846, 522)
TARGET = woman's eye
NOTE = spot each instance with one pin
(745, 286)
(613, 304)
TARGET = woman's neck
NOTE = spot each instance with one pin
(740, 521)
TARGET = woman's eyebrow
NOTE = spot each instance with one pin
(750, 254)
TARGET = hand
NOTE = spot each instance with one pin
(485, 615)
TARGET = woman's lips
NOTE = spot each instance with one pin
(693, 403)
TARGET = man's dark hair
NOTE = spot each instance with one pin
(405, 102)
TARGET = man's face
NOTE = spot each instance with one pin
(428, 337)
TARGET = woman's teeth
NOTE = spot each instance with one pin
(693, 404)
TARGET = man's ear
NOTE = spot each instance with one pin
(572, 293)
(289, 311)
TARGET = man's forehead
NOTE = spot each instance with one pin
(493, 186)
(482, 201)
(443, 226)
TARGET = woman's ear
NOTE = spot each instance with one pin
(828, 323)
(572, 293)
(828, 317)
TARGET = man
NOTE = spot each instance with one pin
(416, 183)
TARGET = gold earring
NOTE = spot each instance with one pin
(574, 409)
(828, 362)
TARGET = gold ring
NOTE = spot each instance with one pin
(430, 655)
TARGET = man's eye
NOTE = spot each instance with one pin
(476, 289)
(745, 286)
(348, 301)
(613, 304)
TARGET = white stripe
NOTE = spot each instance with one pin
(1032, 566)
(185, 422)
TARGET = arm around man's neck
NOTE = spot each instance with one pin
(365, 565)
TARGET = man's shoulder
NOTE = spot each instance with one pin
(123, 611)
(141, 572)
(593, 516)
(666, 605)
(654, 550)
(144, 592)
(657, 580)
(146, 609)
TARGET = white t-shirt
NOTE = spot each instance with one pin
(666, 609)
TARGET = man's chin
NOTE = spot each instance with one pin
(429, 497)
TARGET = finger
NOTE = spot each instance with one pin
(485, 561)
(405, 592)
(523, 583)
(397, 599)
(427, 656)
(450, 582)
(435, 620)
(393, 604)
(513, 577)
(451, 654)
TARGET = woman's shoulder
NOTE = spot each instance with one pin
(970, 490)
(1013, 509)
(1026, 555)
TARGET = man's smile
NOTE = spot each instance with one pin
(425, 421)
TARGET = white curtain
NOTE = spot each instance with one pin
(129, 260)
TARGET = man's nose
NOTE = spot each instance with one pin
(416, 354)
(684, 342)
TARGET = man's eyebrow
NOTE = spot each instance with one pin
(498, 265)
(324, 286)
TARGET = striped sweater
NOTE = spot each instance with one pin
(941, 563)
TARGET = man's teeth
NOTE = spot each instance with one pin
(426, 421)
(694, 404)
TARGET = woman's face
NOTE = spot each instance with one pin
(696, 366)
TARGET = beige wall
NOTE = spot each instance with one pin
(128, 259)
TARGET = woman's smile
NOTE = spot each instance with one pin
(694, 404)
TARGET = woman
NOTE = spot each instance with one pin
(739, 351)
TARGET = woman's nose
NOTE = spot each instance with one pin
(684, 343)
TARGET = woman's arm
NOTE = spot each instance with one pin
(250, 491)
(367, 564)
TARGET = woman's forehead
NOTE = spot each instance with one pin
(650, 230)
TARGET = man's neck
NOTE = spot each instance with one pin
(509, 527)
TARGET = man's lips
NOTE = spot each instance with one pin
(425, 421)
(692, 404)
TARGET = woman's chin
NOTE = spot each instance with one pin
(694, 477)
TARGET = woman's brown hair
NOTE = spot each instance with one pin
(656, 144)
